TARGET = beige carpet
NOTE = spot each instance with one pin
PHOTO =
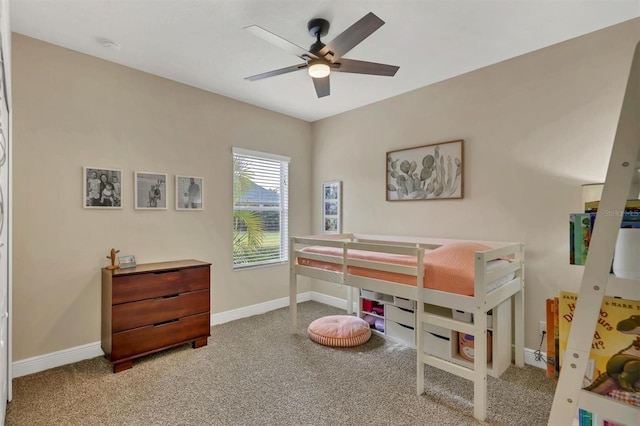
(253, 372)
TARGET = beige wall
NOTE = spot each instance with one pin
(535, 128)
(71, 110)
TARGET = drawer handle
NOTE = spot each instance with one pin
(405, 326)
(159, 324)
(404, 309)
(439, 337)
(170, 271)
(171, 296)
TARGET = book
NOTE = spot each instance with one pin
(552, 337)
(581, 228)
(585, 418)
(631, 205)
(549, 337)
(631, 216)
(615, 344)
(556, 336)
(572, 244)
(586, 221)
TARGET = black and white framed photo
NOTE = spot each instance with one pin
(189, 192)
(102, 188)
(151, 190)
(331, 208)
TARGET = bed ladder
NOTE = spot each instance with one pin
(624, 161)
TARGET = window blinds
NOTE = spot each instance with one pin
(260, 208)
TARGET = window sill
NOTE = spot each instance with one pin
(237, 268)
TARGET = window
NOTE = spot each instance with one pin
(260, 208)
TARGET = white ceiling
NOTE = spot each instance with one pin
(202, 42)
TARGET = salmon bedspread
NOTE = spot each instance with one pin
(447, 268)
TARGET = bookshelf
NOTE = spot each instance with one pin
(622, 177)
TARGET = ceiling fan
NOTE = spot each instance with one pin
(320, 60)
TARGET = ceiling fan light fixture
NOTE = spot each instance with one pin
(321, 59)
(318, 69)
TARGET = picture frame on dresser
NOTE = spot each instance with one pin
(128, 261)
(102, 188)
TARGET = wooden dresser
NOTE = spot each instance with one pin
(153, 307)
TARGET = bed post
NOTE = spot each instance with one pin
(518, 299)
(349, 299)
(420, 323)
(293, 289)
(345, 279)
(480, 341)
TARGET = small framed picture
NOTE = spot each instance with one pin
(331, 208)
(102, 188)
(151, 190)
(189, 192)
(127, 262)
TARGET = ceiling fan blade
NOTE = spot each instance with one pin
(276, 72)
(363, 67)
(322, 86)
(351, 37)
(280, 42)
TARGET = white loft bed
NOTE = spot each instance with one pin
(339, 267)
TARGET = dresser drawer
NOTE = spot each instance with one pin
(152, 311)
(399, 315)
(148, 339)
(149, 285)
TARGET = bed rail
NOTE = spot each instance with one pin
(347, 242)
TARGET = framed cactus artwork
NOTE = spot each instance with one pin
(429, 172)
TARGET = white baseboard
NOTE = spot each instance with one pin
(39, 363)
(260, 308)
(336, 302)
(55, 359)
(530, 359)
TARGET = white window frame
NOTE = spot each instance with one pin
(283, 208)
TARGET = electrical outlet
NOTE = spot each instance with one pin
(542, 326)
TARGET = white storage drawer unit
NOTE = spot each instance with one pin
(401, 332)
(404, 303)
(439, 341)
(468, 317)
(373, 295)
(401, 316)
(397, 313)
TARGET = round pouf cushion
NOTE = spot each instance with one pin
(339, 331)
